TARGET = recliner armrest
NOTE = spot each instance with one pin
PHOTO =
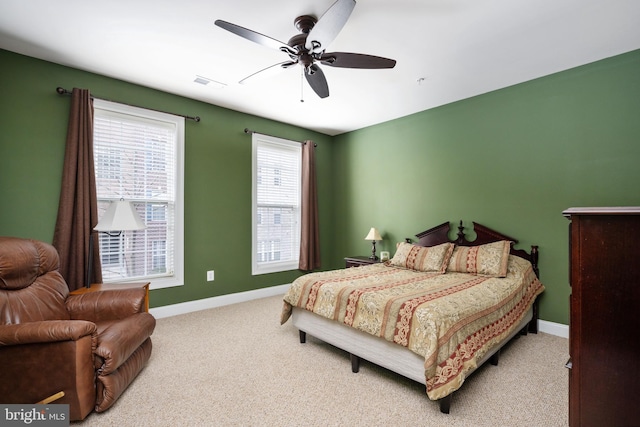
(118, 340)
(35, 370)
(106, 305)
(46, 331)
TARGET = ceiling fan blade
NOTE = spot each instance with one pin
(266, 72)
(255, 37)
(329, 25)
(356, 60)
(317, 81)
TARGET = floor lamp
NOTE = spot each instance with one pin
(120, 216)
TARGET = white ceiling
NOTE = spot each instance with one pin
(446, 50)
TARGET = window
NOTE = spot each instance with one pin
(139, 156)
(276, 204)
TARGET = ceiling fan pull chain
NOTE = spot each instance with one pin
(301, 84)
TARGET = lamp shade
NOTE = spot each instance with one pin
(120, 216)
(373, 235)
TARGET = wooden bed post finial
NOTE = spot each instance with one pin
(534, 260)
(460, 232)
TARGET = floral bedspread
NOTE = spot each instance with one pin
(450, 319)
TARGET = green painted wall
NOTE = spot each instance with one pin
(33, 123)
(512, 160)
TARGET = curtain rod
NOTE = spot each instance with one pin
(63, 91)
(247, 130)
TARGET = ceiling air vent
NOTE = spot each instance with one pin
(206, 82)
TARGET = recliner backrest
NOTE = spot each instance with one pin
(31, 287)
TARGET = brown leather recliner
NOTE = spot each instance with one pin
(90, 346)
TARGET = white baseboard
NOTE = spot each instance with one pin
(213, 302)
(553, 328)
(202, 304)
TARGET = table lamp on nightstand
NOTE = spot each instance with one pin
(373, 236)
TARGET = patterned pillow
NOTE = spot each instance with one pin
(490, 259)
(420, 258)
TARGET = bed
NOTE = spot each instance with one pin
(434, 313)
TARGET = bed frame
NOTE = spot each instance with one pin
(398, 359)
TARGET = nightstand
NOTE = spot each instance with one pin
(96, 287)
(357, 261)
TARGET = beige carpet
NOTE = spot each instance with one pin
(236, 366)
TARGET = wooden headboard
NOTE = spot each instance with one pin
(440, 234)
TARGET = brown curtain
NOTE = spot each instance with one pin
(310, 236)
(78, 207)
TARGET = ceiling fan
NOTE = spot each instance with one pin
(308, 47)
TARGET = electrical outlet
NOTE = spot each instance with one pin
(210, 276)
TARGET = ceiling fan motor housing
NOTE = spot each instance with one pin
(304, 24)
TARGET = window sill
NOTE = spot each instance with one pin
(157, 283)
(274, 268)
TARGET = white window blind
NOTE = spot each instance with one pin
(276, 204)
(138, 157)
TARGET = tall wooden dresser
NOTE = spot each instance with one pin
(604, 330)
